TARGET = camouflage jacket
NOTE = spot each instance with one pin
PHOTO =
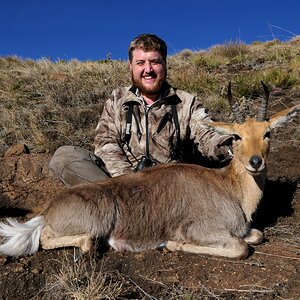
(156, 121)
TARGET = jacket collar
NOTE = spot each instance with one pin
(167, 96)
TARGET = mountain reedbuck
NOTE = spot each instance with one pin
(177, 206)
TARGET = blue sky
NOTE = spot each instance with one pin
(90, 29)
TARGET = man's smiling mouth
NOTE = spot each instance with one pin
(149, 76)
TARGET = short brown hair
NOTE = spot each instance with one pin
(148, 42)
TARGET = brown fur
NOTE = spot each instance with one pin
(169, 202)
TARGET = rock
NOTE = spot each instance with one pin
(17, 150)
(30, 169)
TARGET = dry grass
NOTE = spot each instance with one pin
(84, 280)
(47, 104)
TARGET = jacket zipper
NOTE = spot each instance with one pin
(147, 109)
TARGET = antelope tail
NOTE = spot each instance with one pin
(21, 238)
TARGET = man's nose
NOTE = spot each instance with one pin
(148, 67)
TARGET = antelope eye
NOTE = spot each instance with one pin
(267, 135)
(236, 137)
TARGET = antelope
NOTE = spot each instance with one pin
(180, 207)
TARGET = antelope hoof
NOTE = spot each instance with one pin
(255, 237)
(173, 246)
(86, 245)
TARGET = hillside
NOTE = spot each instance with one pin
(46, 104)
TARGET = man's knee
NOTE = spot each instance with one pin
(61, 157)
(74, 165)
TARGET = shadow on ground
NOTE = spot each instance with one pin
(276, 203)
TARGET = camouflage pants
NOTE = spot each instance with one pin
(74, 165)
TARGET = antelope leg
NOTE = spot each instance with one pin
(51, 240)
(235, 248)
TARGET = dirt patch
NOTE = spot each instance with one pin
(271, 272)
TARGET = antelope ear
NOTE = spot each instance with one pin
(219, 127)
(284, 116)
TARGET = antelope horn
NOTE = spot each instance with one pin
(262, 113)
(234, 106)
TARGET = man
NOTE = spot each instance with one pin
(145, 124)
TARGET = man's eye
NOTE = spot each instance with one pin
(155, 62)
(139, 63)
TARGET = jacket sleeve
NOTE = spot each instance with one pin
(107, 141)
(209, 143)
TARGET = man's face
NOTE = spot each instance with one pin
(148, 71)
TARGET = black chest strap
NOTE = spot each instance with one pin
(128, 124)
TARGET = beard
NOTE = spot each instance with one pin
(152, 90)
